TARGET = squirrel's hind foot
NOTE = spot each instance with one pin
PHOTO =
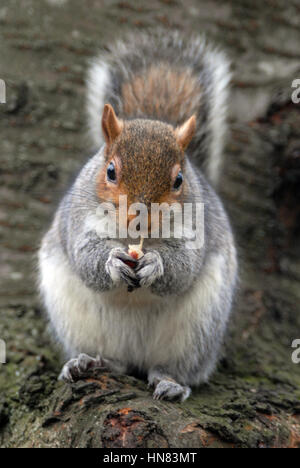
(76, 368)
(170, 390)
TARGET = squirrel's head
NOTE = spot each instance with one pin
(144, 160)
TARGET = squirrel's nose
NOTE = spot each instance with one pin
(146, 222)
(143, 198)
(130, 218)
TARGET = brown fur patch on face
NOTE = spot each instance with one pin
(108, 191)
(148, 151)
(162, 93)
(147, 159)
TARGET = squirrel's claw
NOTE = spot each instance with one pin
(125, 257)
(77, 368)
(169, 390)
(118, 270)
(150, 268)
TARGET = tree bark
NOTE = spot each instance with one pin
(253, 400)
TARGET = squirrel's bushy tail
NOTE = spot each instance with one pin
(165, 76)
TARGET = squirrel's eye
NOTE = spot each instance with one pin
(111, 172)
(178, 181)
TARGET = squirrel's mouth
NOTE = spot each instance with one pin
(150, 225)
(159, 221)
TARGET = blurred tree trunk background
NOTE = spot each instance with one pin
(253, 399)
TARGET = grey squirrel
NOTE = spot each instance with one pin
(163, 103)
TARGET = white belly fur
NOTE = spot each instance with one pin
(137, 328)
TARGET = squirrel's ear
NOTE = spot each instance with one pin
(185, 132)
(111, 125)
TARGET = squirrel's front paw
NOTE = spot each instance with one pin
(150, 268)
(118, 270)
